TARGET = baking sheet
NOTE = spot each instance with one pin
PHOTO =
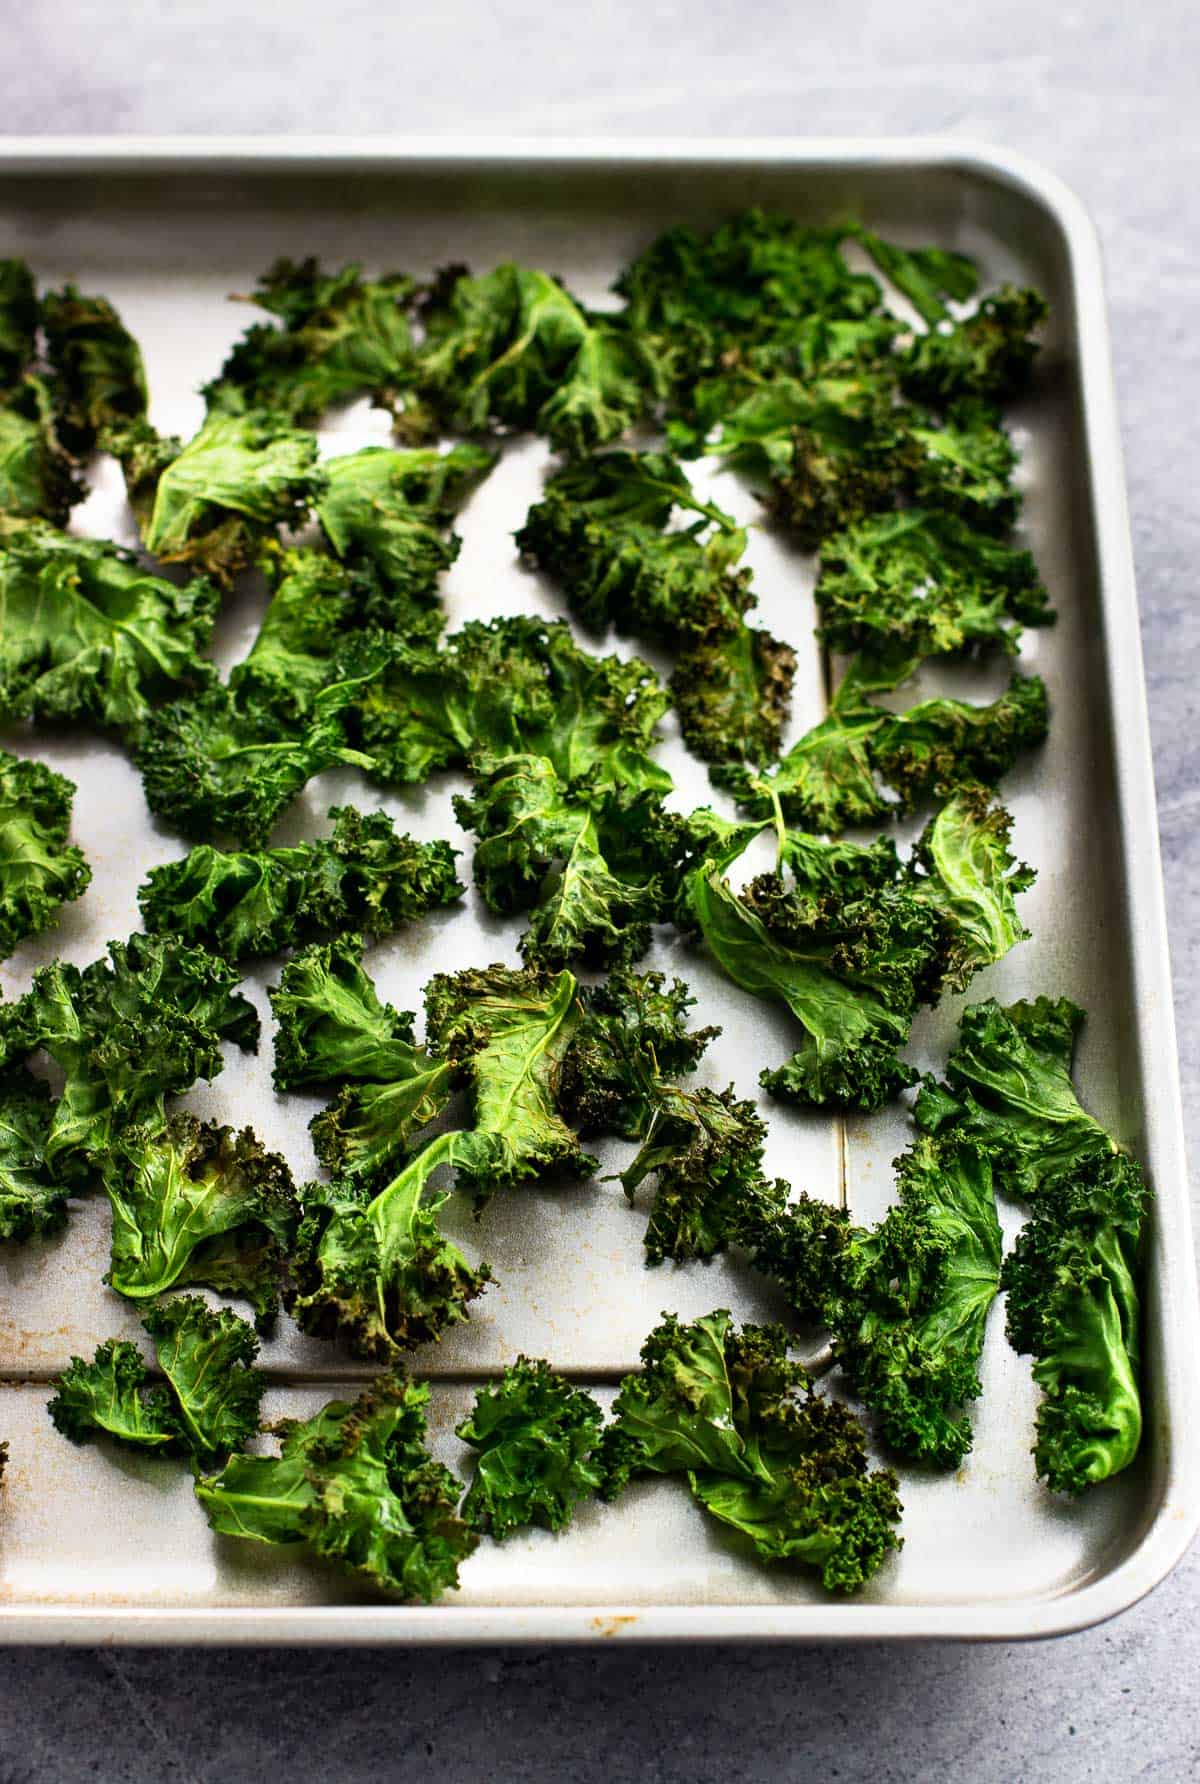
(92, 1540)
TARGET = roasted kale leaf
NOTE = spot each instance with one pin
(536, 1440)
(39, 869)
(240, 903)
(762, 1452)
(356, 1484)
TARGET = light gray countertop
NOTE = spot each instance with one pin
(1104, 94)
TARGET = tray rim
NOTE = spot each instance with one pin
(1176, 1517)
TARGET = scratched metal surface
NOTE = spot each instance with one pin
(571, 1282)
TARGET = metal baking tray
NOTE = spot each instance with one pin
(98, 1546)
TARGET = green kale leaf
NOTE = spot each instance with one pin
(97, 376)
(505, 1034)
(1072, 1278)
(852, 968)
(375, 1269)
(760, 288)
(907, 1300)
(343, 336)
(1072, 1282)
(928, 581)
(33, 1198)
(509, 687)
(591, 864)
(218, 761)
(392, 510)
(705, 1151)
(536, 1439)
(39, 869)
(356, 1484)
(762, 1453)
(127, 1033)
(37, 474)
(514, 349)
(208, 1406)
(988, 357)
(87, 633)
(829, 778)
(364, 876)
(212, 503)
(208, 1357)
(112, 1394)
(331, 1025)
(18, 319)
(632, 1037)
(193, 1203)
(601, 529)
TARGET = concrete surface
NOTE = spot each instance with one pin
(1105, 94)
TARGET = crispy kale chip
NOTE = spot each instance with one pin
(112, 1394)
(218, 761)
(97, 376)
(33, 1198)
(508, 687)
(907, 1300)
(942, 743)
(356, 1483)
(333, 1029)
(762, 1452)
(594, 864)
(127, 1033)
(37, 457)
(1072, 1279)
(633, 1037)
(87, 633)
(851, 964)
(37, 474)
(853, 944)
(331, 1026)
(390, 511)
(1010, 1086)
(342, 336)
(211, 504)
(208, 1405)
(364, 876)
(829, 451)
(927, 277)
(18, 319)
(928, 581)
(1072, 1282)
(314, 605)
(962, 869)
(759, 289)
(39, 869)
(536, 1440)
(824, 452)
(362, 1135)
(602, 530)
(966, 465)
(505, 1034)
(914, 1298)
(375, 1269)
(989, 356)
(704, 1149)
(514, 349)
(208, 1357)
(830, 777)
(733, 694)
(827, 779)
(193, 1203)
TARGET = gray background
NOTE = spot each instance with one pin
(1105, 94)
